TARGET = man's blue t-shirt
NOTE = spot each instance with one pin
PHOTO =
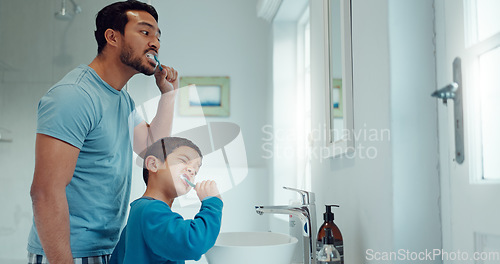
(155, 234)
(89, 114)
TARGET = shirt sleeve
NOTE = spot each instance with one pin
(170, 236)
(66, 113)
(134, 119)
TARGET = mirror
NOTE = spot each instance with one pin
(339, 103)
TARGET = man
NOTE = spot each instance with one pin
(83, 153)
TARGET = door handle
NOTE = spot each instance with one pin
(447, 92)
(453, 92)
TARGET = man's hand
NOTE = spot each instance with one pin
(206, 188)
(166, 79)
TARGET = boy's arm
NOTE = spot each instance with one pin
(174, 238)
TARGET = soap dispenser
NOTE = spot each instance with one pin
(328, 254)
(328, 216)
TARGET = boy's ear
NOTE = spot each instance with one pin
(152, 163)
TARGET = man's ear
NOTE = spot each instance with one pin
(152, 163)
(112, 37)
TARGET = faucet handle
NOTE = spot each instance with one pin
(307, 197)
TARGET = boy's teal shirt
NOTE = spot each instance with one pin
(156, 234)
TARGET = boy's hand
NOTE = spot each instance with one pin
(207, 188)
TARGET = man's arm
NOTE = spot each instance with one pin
(161, 125)
(55, 162)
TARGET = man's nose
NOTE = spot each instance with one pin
(155, 44)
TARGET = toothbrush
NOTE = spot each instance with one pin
(149, 55)
(187, 181)
(158, 61)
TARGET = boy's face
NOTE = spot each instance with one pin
(183, 160)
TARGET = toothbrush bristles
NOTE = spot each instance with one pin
(187, 181)
(158, 64)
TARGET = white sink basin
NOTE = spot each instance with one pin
(252, 248)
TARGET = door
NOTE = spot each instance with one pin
(470, 31)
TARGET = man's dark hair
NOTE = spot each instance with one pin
(163, 147)
(114, 16)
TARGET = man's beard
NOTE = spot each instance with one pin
(135, 62)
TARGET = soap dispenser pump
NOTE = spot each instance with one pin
(328, 254)
(328, 216)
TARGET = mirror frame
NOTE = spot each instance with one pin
(346, 144)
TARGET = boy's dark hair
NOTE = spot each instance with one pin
(163, 147)
(114, 16)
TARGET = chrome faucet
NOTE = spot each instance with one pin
(306, 213)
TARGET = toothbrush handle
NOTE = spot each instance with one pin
(190, 183)
(159, 64)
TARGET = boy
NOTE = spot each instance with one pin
(155, 234)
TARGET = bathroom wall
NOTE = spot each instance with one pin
(388, 190)
(417, 200)
(362, 186)
(199, 38)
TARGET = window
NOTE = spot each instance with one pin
(489, 85)
(482, 38)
